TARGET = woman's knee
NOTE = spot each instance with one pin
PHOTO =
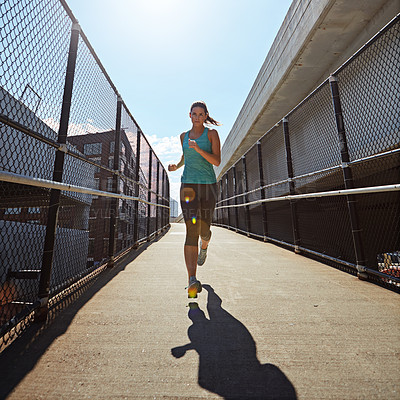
(192, 233)
(205, 231)
(206, 237)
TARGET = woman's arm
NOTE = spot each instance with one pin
(174, 167)
(215, 156)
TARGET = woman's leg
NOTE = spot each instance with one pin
(191, 259)
(189, 205)
(208, 200)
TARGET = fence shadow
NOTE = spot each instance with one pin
(20, 357)
(228, 364)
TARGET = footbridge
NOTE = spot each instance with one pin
(269, 324)
(300, 288)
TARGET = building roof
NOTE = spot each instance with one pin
(315, 38)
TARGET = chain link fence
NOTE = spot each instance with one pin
(325, 180)
(79, 183)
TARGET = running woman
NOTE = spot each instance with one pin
(201, 151)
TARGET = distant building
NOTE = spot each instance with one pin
(173, 208)
(100, 147)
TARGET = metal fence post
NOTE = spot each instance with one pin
(218, 212)
(115, 188)
(246, 197)
(262, 183)
(163, 201)
(54, 204)
(221, 211)
(348, 179)
(227, 209)
(149, 193)
(235, 186)
(164, 221)
(167, 196)
(137, 191)
(289, 163)
(158, 193)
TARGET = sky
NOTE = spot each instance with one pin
(162, 55)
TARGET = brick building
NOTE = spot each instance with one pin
(100, 147)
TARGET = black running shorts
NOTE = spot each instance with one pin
(198, 204)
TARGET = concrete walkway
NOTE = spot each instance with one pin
(269, 324)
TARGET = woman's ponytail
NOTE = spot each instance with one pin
(212, 121)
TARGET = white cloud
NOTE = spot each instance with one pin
(169, 151)
(165, 146)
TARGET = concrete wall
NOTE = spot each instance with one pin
(316, 37)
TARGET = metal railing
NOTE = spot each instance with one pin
(80, 184)
(325, 180)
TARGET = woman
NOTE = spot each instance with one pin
(201, 150)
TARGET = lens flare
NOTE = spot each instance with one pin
(194, 220)
(187, 199)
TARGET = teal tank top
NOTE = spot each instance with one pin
(197, 168)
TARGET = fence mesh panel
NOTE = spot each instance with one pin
(224, 195)
(369, 92)
(94, 101)
(237, 182)
(313, 135)
(275, 178)
(315, 160)
(274, 158)
(36, 45)
(129, 163)
(253, 181)
(153, 196)
(230, 187)
(144, 180)
(371, 113)
(33, 54)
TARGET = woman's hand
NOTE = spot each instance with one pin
(194, 145)
(172, 167)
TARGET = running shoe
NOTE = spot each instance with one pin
(201, 259)
(194, 288)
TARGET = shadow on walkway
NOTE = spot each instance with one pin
(21, 356)
(228, 364)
